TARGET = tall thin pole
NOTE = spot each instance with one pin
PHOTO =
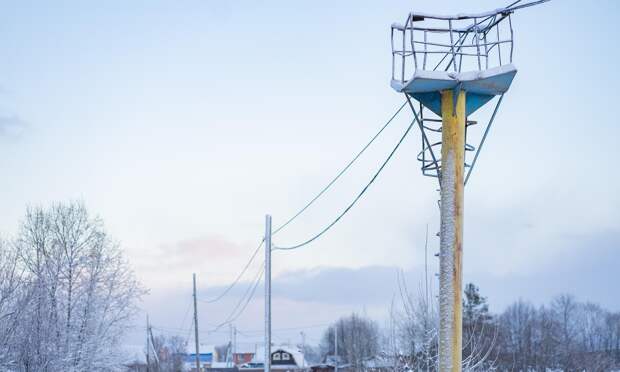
(229, 353)
(427, 304)
(303, 349)
(234, 362)
(148, 348)
(451, 234)
(336, 348)
(152, 344)
(196, 327)
(426, 272)
(267, 293)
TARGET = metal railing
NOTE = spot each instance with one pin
(451, 43)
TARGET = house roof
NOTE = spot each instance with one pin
(259, 357)
(204, 357)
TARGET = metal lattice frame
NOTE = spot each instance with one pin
(463, 43)
(434, 43)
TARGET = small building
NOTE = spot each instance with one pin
(226, 356)
(242, 357)
(206, 360)
(286, 359)
(283, 358)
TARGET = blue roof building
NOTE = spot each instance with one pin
(206, 359)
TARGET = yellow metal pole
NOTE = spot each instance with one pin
(451, 234)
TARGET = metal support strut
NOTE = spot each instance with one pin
(451, 235)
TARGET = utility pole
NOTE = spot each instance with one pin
(451, 232)
(267, 293)
(426, 273)
(234, 362)
(196, 326)
(229, 352)
(148, 349)
(303, 349)
(336, 348)
(152, 344)
(427, 305)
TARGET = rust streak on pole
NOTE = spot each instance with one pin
(451, 237)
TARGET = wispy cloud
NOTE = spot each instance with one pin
(584, 269)
(209, 256)
(11, 125)
(189, 252)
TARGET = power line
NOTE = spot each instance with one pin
(354, 200)
(247, 265)
(170, 329)
(178, 331)
(247, 332)
(189, 305)
(341, 172)
(247, 297)
(189, 332)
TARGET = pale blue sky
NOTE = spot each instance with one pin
(181, 123)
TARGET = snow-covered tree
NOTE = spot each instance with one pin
(417, 329)
(358, 338)
(13, 297)
(73, 293)
(567, 335)
(171, 351)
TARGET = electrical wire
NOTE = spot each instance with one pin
(327, 187)
(179, 331)
(189, 332)
(232, 317)
(247, 332)
(341, 172)
(247, 297)
(348, 208)
(221, 295)
(189, 305)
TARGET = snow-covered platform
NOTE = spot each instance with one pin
(480, 86)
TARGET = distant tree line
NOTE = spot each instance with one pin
(358, 338)
(565, 335)
(67, 295)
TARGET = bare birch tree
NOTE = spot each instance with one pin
(76, 293)
(417, 327)
(358, 338)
